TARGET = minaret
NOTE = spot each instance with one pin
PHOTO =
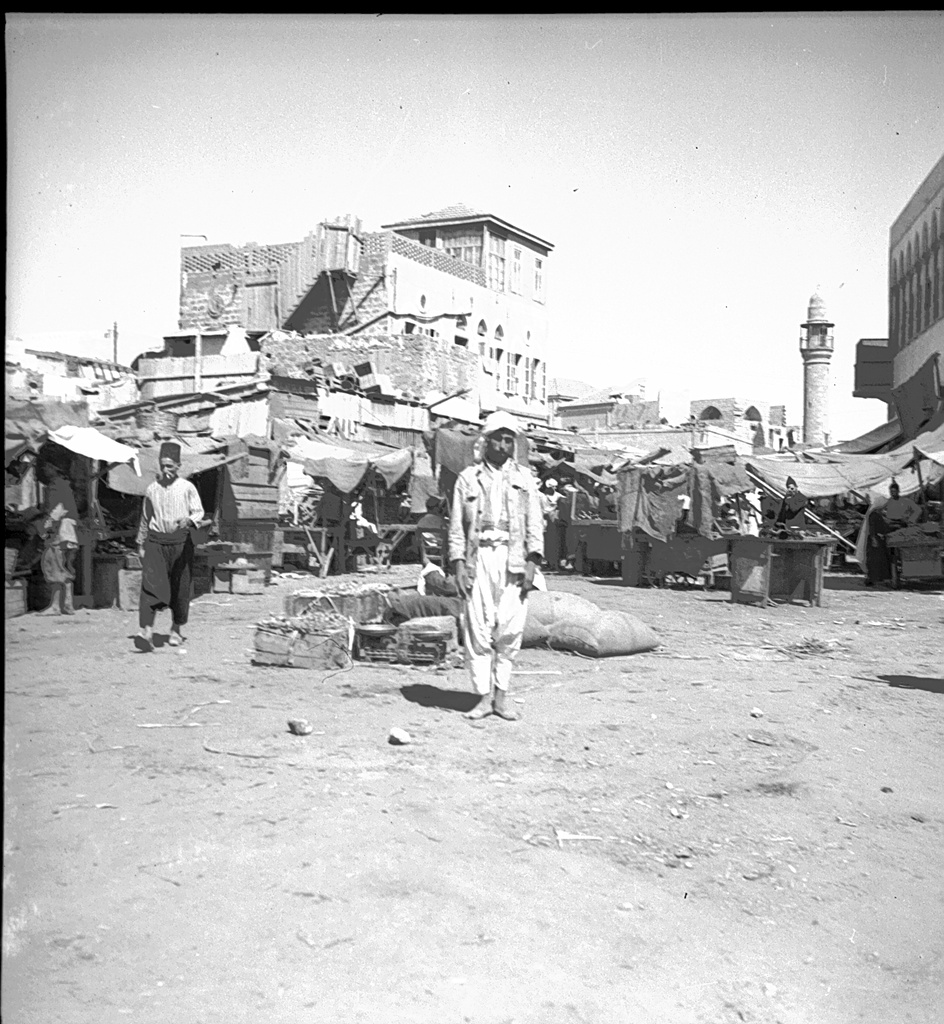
(816, 347)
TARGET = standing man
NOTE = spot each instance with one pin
(171, 508)
(899, 511)
(495, 545)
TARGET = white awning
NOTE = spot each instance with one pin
(94, 444)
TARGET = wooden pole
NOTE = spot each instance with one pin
(114, 340)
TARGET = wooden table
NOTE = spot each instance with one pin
(765, 570)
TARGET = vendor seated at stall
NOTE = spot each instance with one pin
(898, 511)
(792, 511)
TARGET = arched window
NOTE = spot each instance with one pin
(461, 323)
(753, 415)
(499, 333)
(483, 330)
(710, 413)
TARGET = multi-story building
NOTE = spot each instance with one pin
(905, 369)
(462, 280)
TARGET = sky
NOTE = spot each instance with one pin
(700, 176)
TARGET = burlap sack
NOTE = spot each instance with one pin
(571, 623)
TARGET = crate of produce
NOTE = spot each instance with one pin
(15, 598)
(362, 602)
(319, 640)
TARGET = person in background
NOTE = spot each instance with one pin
(431, 532)
(60, 541)
(792, 512)
(553, 531)
(496, 543)
(899, 511)
(172, 507)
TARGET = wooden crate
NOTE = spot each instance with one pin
(312, 650)
(15, 598)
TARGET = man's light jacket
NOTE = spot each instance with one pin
(525, 524)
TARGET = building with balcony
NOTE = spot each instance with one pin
(461, 279)
(905, 369)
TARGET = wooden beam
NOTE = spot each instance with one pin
(334, 301)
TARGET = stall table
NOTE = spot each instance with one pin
(765, 570)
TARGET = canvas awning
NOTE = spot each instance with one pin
(93, 444)
(121, 478)
(871, 441)
(832, 473)
(345, 466)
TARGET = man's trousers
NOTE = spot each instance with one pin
(494, 620)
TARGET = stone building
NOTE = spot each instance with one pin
(906, 369)
(750, 422)
(468, 287)
(99, 383)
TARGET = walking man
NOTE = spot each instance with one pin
(496, 540)
(172, 507)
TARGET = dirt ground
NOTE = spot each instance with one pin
(725, 830)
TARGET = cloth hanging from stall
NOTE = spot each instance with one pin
(346, 468)
(650, 496)
(649, 499)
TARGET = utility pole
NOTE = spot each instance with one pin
(114, 341)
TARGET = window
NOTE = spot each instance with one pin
(511, 373)
(515, 271)
(465, 247)
(496, 263)
(529, 378)
(539, 280)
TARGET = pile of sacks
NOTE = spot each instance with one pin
(565, 622)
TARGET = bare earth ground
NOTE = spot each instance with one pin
(779, 868)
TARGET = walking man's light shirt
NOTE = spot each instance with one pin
(171, 507)
(166, 506)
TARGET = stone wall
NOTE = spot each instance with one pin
(415, 364)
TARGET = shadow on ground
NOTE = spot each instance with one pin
(432, 697)
(930, 684)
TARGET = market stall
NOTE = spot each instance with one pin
(917, 554)
(670, 519)
(81, 455)
(359, 504)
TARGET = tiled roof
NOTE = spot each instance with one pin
(455, 211)
(568, 386)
